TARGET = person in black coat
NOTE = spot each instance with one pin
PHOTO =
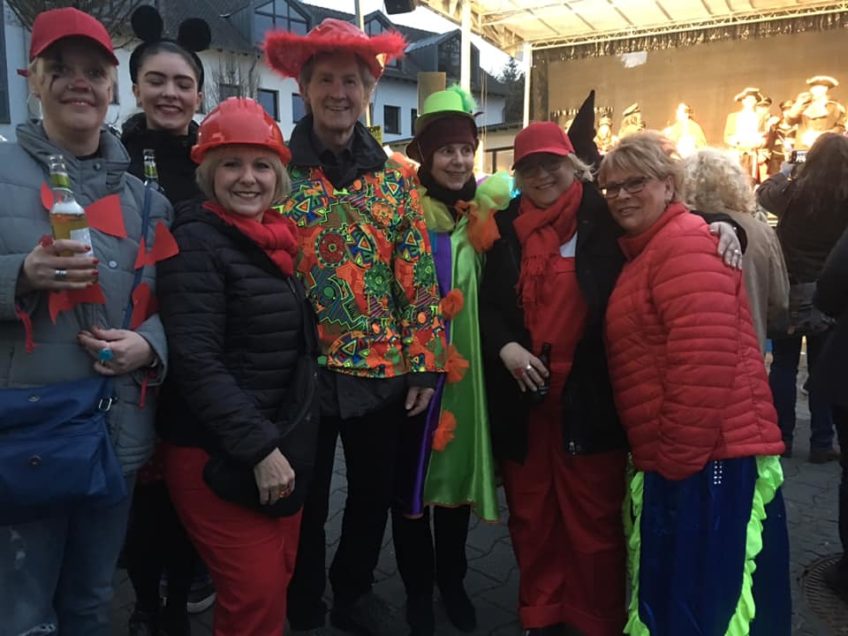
(237, 323)
(812, 207)
(830, 377)
(167, 80)
(562, 456)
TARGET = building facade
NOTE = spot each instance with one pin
(234, 65)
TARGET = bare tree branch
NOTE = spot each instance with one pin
(114, 14)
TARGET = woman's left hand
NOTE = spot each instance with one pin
(116, 351)
(417, 399)
(729, 247)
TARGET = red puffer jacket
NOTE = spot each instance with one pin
(689, 381)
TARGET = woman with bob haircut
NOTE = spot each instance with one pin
(716, 182)
(706, 527)
(239, 329)
(61, 313)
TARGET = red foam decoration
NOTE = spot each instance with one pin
(66, 300)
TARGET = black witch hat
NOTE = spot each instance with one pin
(582, 132)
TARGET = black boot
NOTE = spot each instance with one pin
(836, 578)
(143, 623)
(458, 606)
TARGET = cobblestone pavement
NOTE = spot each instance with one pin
(811, 499)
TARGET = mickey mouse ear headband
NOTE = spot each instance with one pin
(193, 35)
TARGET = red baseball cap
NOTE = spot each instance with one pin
(541, 136)
(57, 24)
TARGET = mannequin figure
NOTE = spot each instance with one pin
(604, 139)
(631, 121)
(743, 130)
(816, 112)
(780, 137)
(685, 132)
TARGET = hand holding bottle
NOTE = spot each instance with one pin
(530, 372)
(47, 268)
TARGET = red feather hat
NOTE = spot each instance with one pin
(287, 52)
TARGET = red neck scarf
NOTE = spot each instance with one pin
(274, 234)
(541, 232)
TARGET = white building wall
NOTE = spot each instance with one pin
(391, 92)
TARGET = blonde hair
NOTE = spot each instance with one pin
(308, 69)
(205, 175)
(582, 171)
(645, 153)
(715, 182)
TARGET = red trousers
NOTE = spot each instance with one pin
(565, 520)
(250, 556)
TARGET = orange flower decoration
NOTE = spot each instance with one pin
(452, 304)
(443, 435)
(482, 233)
(455, 365)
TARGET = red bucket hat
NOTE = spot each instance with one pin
(287, 52)
(57, 24)
(541, 136)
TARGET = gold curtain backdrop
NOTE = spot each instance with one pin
(705, 70)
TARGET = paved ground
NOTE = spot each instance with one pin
(810, 492)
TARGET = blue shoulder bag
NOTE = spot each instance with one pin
(55, 449)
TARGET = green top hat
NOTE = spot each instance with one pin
(452, 101)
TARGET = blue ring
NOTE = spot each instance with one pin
(105, 355)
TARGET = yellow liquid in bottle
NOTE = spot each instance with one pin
(71, 224)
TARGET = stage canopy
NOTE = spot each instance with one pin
(543, 24)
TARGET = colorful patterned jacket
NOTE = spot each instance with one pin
(367, 267)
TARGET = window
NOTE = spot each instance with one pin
(374, 27)
(298, 108)
(5, 117)
(228, 90)
(270, 101)
(278, 15)
(413, 115)
(391, 119)
(449, 57)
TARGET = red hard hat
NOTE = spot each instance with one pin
(239, 120)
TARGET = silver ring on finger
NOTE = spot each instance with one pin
(60, 275)
(529, 367)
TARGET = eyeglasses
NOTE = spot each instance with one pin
(531, 170)
(630, 186)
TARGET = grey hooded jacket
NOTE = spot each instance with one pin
(57, 356)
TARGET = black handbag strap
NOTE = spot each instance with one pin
(107, 398)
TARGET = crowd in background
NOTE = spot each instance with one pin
(589, 333)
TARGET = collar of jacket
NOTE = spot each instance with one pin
(368, 155)
(135, 132)
(112, 158)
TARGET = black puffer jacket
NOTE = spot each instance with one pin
(806, 235)
(173, 160)
(235, 330)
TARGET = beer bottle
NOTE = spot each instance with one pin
(151, 172)
(67, 217)
(541, 392)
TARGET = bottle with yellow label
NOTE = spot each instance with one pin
(151, 172)
(67, 217)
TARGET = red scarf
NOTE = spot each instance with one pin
(541, 232)
(274, 234)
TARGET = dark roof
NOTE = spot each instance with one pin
(224, 34)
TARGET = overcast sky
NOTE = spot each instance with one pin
(491, 59)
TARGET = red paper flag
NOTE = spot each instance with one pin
(105, 216)
(164, 246)
(144, 305)
(60, 301)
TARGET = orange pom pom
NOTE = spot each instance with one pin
(452, 304)
(455, 365)
(443, 435)
(482, 234)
